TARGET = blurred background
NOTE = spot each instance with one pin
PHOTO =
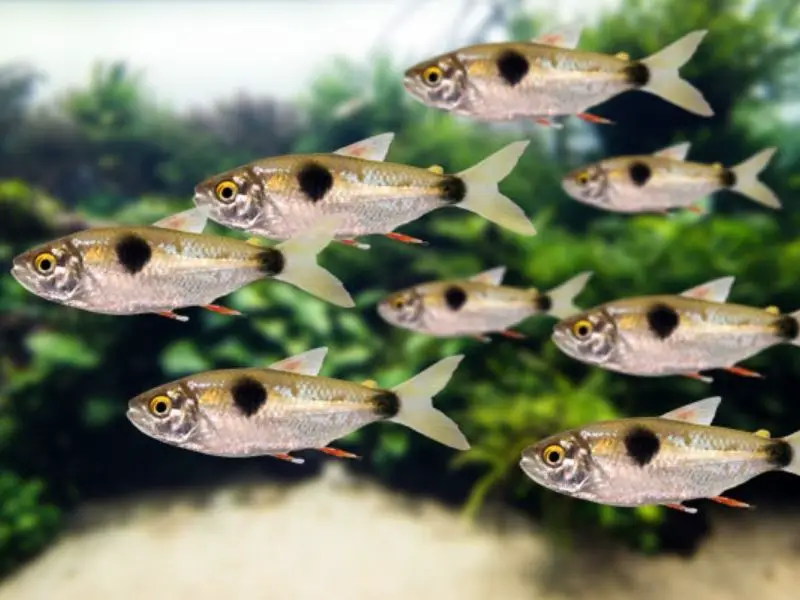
(113, 111)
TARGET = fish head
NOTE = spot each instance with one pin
(53, 271)
(590, 337)
(589, 184)
(168, 413)
(562, 463)
(403, 308)
(440, 82)
(233, 198)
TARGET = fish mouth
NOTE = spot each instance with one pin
(137, 418)
(528, 466)
(23, 277)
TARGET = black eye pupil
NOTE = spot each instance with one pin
(433, 76)
(45, 265)
(553, 457)
(227, 192)
(161, 407)
(583, 330)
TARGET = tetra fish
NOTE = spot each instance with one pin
(673, 335)
(663, 460)
(477, 305)
(548, 77)
(665, 180)
(281, 196)
(287, 407)
(167, 266)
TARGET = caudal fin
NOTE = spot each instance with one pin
(793, 458)
(483, 197)
(300, 266)
(663, 80)
(562, 297)
(416, 404)
(746, 179)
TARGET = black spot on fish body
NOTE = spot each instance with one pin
(249, 395)
(638, 74)
(512, 67)
(452, 189)
(314, 180)
(787, 327)
(642, 445)
(455, 297)
(780, 454)
(727, 178)
(387, 404)
(640, 173)
(133, 252)
(662, 320)
(271, 261)
(543, 303)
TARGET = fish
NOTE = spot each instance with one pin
(477, 305)
(654, 336)
(287, 407)
(665, 180)
(548, 77)
(278, 197)
(169, 265)
(664, 460)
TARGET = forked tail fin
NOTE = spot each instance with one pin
(563, 296)
(746, 179)
(416, 404)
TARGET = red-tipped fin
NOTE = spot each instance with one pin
(339, 453)
(174, 316)
(289, 458)
(589, 118)
(222, 310)
(742, 372)
(191, 221)
(566, 37)
(406, 239)
(306, 363)
(373, 148)
(491, 277)
(700, 413)
(687, 509)
(716, 290)
(731, 502)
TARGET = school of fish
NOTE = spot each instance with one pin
(306, 201)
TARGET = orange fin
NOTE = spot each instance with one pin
(544, 121)
(682, 508)
(731, 502)
(406, 239)
(698, 210)
(222, 310)
(289, 458)
(589, 118)
(481, 338)
(355, 244)
(339, 453)
(514, 335)
(744, 372)
(698, 377)
(171, 315)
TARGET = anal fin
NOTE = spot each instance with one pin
(731, 502)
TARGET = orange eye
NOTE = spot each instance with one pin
(44, 263)
(582, 328)
(432, 75)
(160, 405)
(226, 191)
(582, 178)
(553, 455)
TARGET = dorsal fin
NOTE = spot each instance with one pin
(191, 221)
(700, 413)
(306, 363)
(373, 148)
(490, 277)
(716, 290)
(566, 37)
(675, 152)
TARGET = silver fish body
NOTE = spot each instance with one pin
(669, 335)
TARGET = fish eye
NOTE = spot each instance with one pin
(160, 405)
(553, 455)
(398, 302)
(582, 328)
(226, 190)
(582, 178)
(432, 75)
(44, 263)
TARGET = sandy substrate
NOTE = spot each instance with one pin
(336, 539)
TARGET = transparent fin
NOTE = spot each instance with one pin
(794, 442)
(562, 297)
(373, 148)
(301, 268)
(490, 277)
(483, 197)
(747, 182)
(700, 413)
(665, 81)
(416, 404)
(306, 363)
(566, 37)
(191, 221)
(716, 290)
(676, 152)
